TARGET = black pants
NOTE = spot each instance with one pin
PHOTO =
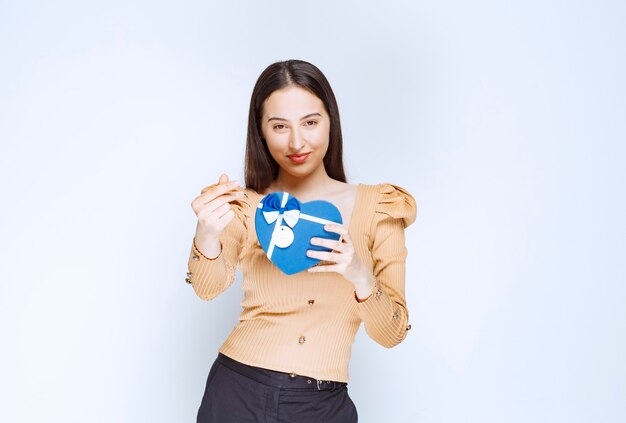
(238, 393)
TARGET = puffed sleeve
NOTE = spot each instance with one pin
(210, 277)
(384, 313)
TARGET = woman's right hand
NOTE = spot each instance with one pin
(214, 213)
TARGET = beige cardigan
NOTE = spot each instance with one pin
(306, 323)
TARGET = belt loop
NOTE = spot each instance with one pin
(327, 385)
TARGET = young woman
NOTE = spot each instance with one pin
(287, 358)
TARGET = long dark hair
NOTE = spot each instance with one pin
(260, 167)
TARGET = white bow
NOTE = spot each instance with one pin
(290, 217)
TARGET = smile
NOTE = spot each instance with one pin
(298, 158)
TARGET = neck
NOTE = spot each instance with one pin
(310, 186)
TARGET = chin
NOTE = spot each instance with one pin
(298, 172)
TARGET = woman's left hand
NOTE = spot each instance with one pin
(345, 260)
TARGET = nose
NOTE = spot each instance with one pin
(296, 140)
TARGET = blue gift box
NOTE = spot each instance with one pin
(285, 226)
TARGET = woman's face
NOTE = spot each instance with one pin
(296, 128)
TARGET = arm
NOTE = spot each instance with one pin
(384, 311)
(219, 238)
(211, 276)
(379, 289)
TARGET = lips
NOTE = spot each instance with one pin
(298, 158)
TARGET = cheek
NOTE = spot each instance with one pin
(322, 138)
(274, 145)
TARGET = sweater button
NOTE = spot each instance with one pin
(311, 302)
(301, 340)
(195, 257)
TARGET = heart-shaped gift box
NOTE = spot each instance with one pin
(285, 226)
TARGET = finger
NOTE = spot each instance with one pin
(324, 268)
(220, 188)
(324, 255)
(212, 191)
(329, 243)
(338, 229)
(220, 211)
(200, 203)
(217, 219)
(223, 178)
(225, 219)
(207, 215)
(222, 199)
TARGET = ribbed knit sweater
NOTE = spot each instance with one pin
(306, 323)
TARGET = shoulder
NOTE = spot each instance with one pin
(391, 201)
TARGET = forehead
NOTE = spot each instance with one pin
(291, 103)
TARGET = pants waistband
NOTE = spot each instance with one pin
(279, 379)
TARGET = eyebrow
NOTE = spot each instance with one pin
(302, 118)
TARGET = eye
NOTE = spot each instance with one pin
(311, 123)
(279, 126)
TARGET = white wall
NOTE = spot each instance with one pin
(504, 119)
